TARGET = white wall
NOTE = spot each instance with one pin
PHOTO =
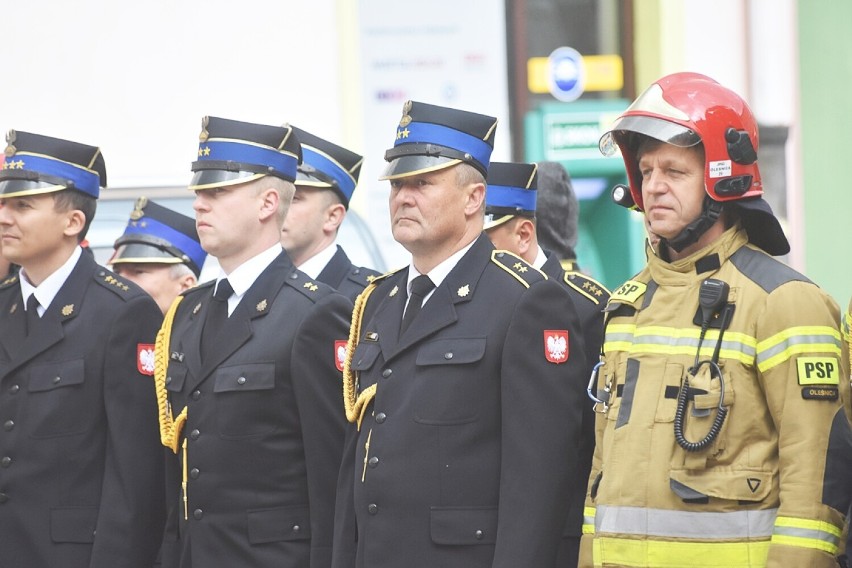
(135, 78)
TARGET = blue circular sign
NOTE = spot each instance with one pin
(567, 74)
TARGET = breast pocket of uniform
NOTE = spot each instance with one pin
(245, 401)
(59, 401)
(363, 360)
(448, 388)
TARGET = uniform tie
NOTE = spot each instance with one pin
(420, 286)
(32, 313)
(217, 315)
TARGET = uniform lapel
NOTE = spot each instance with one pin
(64, 307)
(255, 304)
(14, 325)
(458, 287)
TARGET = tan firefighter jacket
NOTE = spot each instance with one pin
(772, 488)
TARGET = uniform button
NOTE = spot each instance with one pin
(196, 394)
(9, 425)
(3, 498)
(448, 355)
(381, 417)
(241, 381)
(356, 271)
(6, 461)
(197, 514)
(372, 508)
(194, 434)
(168, 380)
(57, 380)
(296, 528)
(194, 473)
(387, 373)
(479, 534)
(14, 389)
(374, 461)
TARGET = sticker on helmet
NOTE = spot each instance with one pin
(720, 169)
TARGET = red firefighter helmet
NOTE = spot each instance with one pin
(685, 109)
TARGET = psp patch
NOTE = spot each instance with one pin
(556, 345)
(339, 353)
(628, 292)
(145, 358)
(818, 370)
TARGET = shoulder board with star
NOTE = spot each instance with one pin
(378, 279)
(313, 289)
(121, 287)
(196, 289)
(363, 276)
(8, 281)
(590, 288)
(517, 267)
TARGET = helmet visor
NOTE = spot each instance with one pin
(657, 128)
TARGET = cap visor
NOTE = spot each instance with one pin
(208, 179)
(141, 252)
(22, 187)
(405, 166)
(492, 221)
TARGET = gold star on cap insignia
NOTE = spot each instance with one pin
(20, 164)
(393, 292)
(200, 152)
(463, 291)
(207, 150)
(405, 133)
(261, 305)
(68, 310)
(14, 308)
(196, 308)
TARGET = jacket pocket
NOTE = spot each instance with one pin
(734, 485)
(278, 524)
(58, 399)
(463, 525)
(245, 401)
(175, 378)
(365, 355)
(73, 524)
(446, 391)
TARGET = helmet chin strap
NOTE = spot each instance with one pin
(710, 212)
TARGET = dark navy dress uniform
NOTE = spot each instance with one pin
(326, 165)
(81, 482)
(512, 191)
(260, 447)
(461, 447)
(589, 297)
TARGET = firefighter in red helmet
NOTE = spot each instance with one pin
(722, 437)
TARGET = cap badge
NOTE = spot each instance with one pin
(261, 305)
(393, 291)
(204, 134)
(138, 212)
(464, 291)
(67, 310)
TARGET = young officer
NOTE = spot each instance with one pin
(81, 469)
(325, 181)
(248, 375)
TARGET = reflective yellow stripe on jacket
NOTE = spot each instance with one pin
(795, 341)
(807, 533)
(678, 341)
